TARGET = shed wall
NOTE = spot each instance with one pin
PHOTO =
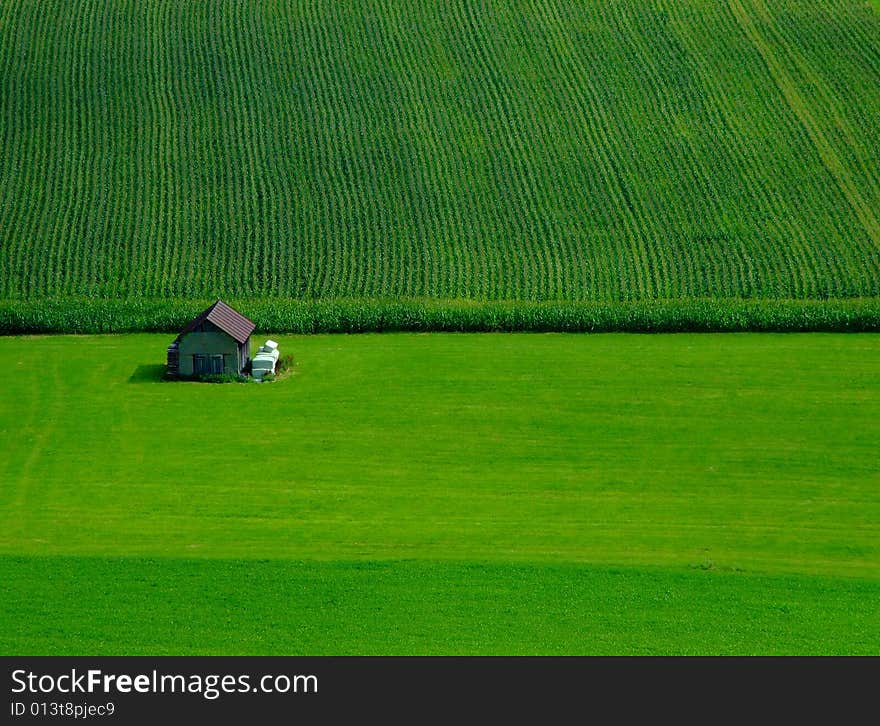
(208, 344)
(244, 354)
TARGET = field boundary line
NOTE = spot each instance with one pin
(799, 107)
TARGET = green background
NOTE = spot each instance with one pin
(446, 494)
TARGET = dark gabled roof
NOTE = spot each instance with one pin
(224, 317)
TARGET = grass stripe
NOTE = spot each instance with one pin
(118, 606)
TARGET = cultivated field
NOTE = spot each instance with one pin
(443, 165)
(540, 150)
(445, 494)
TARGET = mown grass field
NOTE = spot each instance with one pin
(511, 150)
(445, 494)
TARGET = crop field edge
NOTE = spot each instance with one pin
(299, 316)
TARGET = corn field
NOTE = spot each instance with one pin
(531, 151)
(466, 316)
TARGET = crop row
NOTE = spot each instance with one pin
(359, 316)
(541, 151)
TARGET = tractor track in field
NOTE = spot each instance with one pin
(799, 106)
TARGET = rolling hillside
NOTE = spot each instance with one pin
(505, 150)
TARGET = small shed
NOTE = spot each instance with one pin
(218, 340)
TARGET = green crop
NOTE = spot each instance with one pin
(363, 316)
(545, 151)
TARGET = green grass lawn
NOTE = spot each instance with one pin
(445, 494)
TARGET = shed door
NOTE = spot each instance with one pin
(216, 364)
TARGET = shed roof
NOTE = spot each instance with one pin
(224, 317)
